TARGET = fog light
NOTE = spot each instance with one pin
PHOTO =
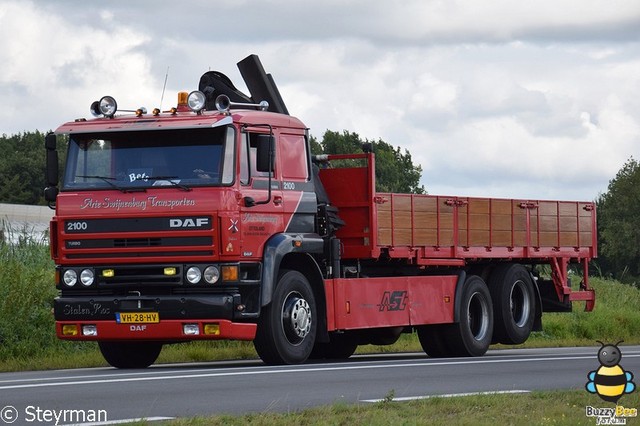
(89, 330)
(211, 274)
(213, 329)
(70, 277)
(190, 329)
(86, 277)
(194, 275)
(230, 273)
(69, 330)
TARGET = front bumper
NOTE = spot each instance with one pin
(165, 330)
(214, 316)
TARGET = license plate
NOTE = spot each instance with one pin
(137, 317)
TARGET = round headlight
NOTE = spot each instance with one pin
(194, 275)
(196, 101)
(107, 106)
(70, 277)
(86, 277)
(211, 274)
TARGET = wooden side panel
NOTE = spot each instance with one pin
(467, 224)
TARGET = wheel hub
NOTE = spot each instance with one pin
(296, 318)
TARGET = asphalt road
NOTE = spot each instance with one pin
(169, 391)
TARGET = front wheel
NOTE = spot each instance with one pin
(130, 354)
(287, 326)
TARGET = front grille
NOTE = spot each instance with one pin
(137, 242)
(112, 238)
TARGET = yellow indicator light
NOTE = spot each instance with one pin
(213, 329)
(447, 299)
(108, 273)
(297, 243)
(156, 111)
(230, 273)
(69, 330)
(169, 271)
(182, 98)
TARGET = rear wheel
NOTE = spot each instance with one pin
(471, 336)
(513, 304)
(287, 326)
(130, 354)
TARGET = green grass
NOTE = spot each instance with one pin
(28, 341)
(540, 408)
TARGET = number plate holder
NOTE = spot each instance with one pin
(137, 317)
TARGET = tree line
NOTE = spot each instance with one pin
(22, 164)
(22, 179)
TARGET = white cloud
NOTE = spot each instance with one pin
(494, 98)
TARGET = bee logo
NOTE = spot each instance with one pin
(610, 381)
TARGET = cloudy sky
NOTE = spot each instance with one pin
(518, 99)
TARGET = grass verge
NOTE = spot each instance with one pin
(540, 408)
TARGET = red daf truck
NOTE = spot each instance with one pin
(213, 221)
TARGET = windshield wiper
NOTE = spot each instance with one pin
(108, 179)
(169, 179)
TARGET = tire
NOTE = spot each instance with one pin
(471, 336)
(513, 299)
(433, 340)
(287, 326)
(130, 354)
(341, 346)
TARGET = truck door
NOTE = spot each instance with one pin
(300, 204)
(261, 215)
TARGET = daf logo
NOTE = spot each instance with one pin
(195, 222)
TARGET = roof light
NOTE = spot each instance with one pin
(106, 106)
(196, 101)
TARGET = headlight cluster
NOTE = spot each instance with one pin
(210, 274)
(70, 277)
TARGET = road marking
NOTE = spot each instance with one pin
(446, 395)
(119, 422)
(427, 363)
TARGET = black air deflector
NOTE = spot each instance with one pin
(260, 84)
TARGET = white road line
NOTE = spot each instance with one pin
(290, 370)
(159, 370)
(447, 395)
(119, 422)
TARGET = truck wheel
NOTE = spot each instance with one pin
(471, 336)
(287, 327)
(341, 346)
(513, 304)
(432, 339)
(130, 354)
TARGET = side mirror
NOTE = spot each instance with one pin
(265, 155)
(51, 160)
(50, 194)
(50, 142)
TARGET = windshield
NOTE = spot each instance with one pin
(137, 160)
